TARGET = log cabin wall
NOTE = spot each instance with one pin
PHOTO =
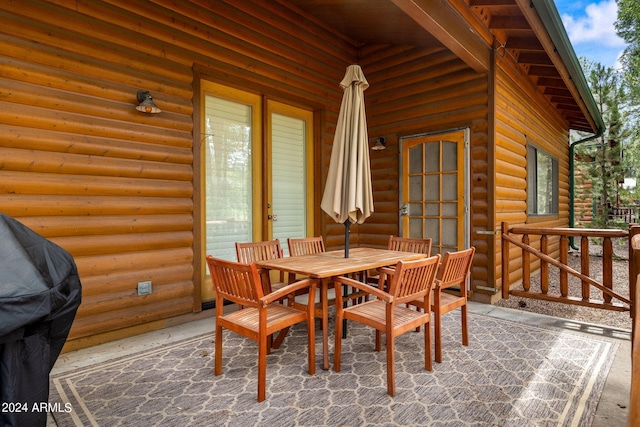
(114, 186)
(118, 188)
(415, 91)
(524, 116)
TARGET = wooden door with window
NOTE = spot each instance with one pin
(433, 200)
(257, 163)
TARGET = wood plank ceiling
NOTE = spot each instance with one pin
(368, 21)
(381, 21)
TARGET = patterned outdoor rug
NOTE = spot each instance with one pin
(510, 375)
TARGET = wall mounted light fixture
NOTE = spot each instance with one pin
(380, 144)
(146, 104)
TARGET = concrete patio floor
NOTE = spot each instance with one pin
(612, 409)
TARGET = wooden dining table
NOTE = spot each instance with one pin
(326, 265)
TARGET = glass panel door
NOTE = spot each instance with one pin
(257, 185)
(290, 189)
(231, 162)
(228, 176)
(229, 153)
(433, 190)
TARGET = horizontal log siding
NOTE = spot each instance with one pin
(82, 167)
(524, 116)
(414, 91)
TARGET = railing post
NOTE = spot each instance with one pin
(607, 267)
(634, 395)
(505, 261)
(564, 277)
(584, 266)
(634, 294)
(544, 265)
(634, 263)
(526, 265)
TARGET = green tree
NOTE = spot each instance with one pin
(628, 28)
(603, 161)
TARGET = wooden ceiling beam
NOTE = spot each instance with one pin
(554, 91)
(537, 58)
(560, 99)
(524, 43)
(483, 3)
(543, 71)
(551, 82)
(450, 30)
(569, 107)
(507, 22)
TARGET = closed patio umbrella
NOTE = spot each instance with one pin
(348, 197)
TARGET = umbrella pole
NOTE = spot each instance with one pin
(347, 227)
(347, 230)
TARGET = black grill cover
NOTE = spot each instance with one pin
(40, 292)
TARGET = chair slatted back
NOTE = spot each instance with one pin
(235, 281)
(305, 246)
(412, 280)
(455, 269)
(258, 251)
(407, 244)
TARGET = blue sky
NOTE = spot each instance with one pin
(590, 26)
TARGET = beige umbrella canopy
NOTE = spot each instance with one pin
(348, 197)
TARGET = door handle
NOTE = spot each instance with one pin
(404, 210)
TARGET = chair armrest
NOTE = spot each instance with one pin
(385, 273)
(289, 289)
(387, 270)
(262, 270)
(439, 285)
(265, 279)
(364, 287)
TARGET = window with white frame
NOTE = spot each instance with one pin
(542, 182)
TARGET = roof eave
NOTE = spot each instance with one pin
(549, 15)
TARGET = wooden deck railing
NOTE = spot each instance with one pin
(610, 300)
(634, 279)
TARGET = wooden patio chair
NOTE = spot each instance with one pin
(314, 245)
(261, 251)
(404, 244)
(250, 252)
(305, 245)
(408, 244)
(260, 314)
(452, 279)
(388, 313)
